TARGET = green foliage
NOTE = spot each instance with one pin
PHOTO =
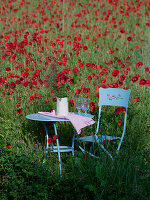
(23, 177)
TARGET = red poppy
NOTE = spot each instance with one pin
(103, 80)
(148, 82)
(118, 110)
(36, 95)
(125, 88)
(19, 111)
(89, 78)
(12, 85)
(62, 78)
(50, 140)
(103, 86)
(119, 122)
(126, 73)
(18, 104)
(129, 38)
(138, 64)
(75, 70)
(115, 72)
(84, 156)
(25, 84)
(102, 73)
(87, 64)
(122, 30)
(54, 99)
(91, 104)
(122, 78)
(59, 76)
(137, 99)
(21, 79)
(110, 52)
(134, 79)
(122, 66)
(142, 81)
(105, 142)
(147, 24)
(55, 137)
(136, 47)
(11, 75)
(115, 58)
(119, 83)
(42, 131)
(118, 61)
(146, 69)
(19, 98)
(71, 81)
(93, 109)
(93, 67)
(7, 69)
(66, 71)
(80, 64)
(71, 102)
(78, 91)
(123, 109)
(97, 95)
(128, 68)
(31, 98)
(17, 82)
(96, 77)
(25, 74)
(100, 66)
(85, 48)
(69, 42)
(113, 85)
(7, 86)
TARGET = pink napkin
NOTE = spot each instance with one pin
(77, 121)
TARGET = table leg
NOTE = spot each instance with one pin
(58, 149)
(46, 142)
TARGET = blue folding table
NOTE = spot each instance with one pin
(58, 148)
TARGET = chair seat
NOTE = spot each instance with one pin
(97, 138)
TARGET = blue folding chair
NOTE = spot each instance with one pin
(110, 97)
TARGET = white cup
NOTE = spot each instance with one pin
(62, 106)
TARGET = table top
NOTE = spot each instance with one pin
(44, 118)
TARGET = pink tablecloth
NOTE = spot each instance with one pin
(77, 121)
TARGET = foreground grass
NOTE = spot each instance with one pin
(23, 177)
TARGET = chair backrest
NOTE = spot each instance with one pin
(114, 97)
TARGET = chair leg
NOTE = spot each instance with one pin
(45, 157)
(84, 151)
(106, 152)
(73, 139)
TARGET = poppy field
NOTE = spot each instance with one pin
(63, 48)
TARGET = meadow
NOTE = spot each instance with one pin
(59, 48)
